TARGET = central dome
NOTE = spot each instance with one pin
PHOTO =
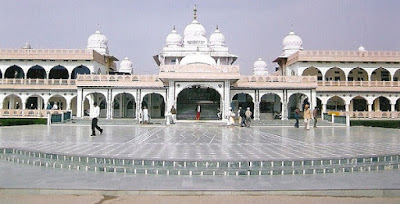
(194, 33)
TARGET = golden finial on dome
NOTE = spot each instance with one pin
(195, 13)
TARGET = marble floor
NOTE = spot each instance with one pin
(204, 141)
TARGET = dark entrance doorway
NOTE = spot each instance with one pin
(188, 99)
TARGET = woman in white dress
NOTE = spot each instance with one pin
(231, 117)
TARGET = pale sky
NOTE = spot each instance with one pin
(253, 28)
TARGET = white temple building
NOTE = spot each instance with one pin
(200, 70)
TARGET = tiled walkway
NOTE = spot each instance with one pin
(205, 141)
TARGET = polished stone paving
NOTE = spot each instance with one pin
(204, 141)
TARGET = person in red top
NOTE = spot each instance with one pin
(198, 111)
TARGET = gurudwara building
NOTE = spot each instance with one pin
(200, 70)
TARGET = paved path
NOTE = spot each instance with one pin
(205, 141)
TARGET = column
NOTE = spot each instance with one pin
(121, 106)
(138, 103)
(393, 109)
(323, 111)
(285, 106)
(11, 103)
(227, 102)
(257, 106)
(79, 104)
(109, 104)
(347, 106)
(370, 110)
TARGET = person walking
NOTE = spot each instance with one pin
(248, 117)
(17, 105)
(239, 117)
(94, 114)
(307, 117)
(315, 114)
(198, 111)
(231, 117)
(173, 113)
(243, 117)
(297, 117)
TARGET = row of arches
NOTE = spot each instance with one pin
(38, 72)
(359, 103)
(356, 74)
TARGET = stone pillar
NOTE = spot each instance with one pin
(393, 109)
(257, 106)
(323, 111)
(11, 103)
(285, 114)
(227, 99)
(121, 106)
(109, 104)
(347, 106)
(370, 110)
(79, 104)
(138, 103)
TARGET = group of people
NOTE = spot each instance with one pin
(244, 117)
(307, 117)
(52, 107)
(144, 116)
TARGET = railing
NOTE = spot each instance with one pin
(45, 52)
(368, 114)
(289, 79)
(65, 82)
(20, 113)
(361, 56)
(360, 83)
(118, 78)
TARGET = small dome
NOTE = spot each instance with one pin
(362, 49)
(27, 46)
(198, 59)
(98, 42)
(217, 38)
(292, 43)
(260, 67)
(173, 39)
(126, 66)
(260, 63)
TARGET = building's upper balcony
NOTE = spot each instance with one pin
(277, 82)
(343, 56)
(133, 81)
(55, 84)
(365, 86)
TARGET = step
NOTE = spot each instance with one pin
(140, 166)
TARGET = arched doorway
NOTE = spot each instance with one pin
(359, 104)
(12, 102)
(58, 72)
(14, 72)
(100, 99)
(243, 100)
(297, 100)
(124, 106)
(155, 104)
(208, 98)
(59, 100)
(312, 71)
(79, 70)
(396, 76)
(335, 74)
(380, 74)
(35, 102)
(335, 103)
(270, 107)
(36, 72)
(74, 105)
(381, 104)
(358, 74)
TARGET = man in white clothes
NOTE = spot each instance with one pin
(95, 115)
